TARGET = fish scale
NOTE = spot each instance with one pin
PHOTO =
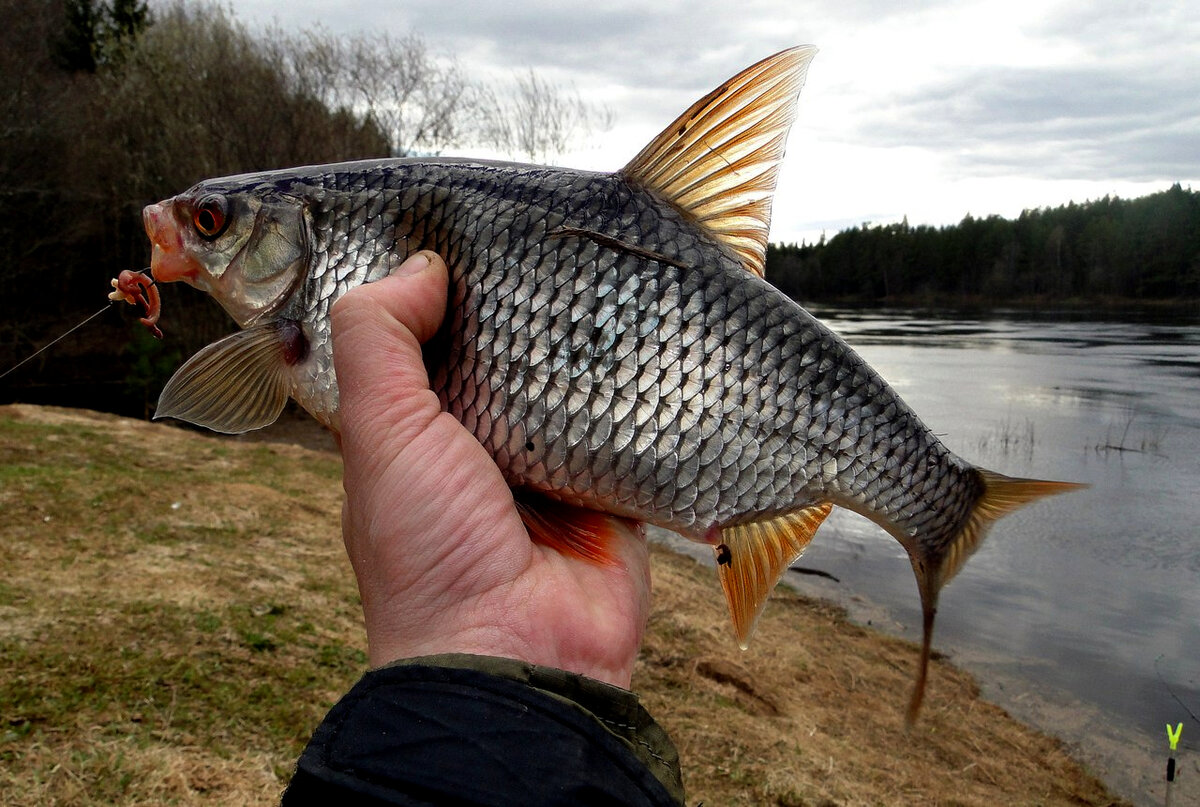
(609, 340)
(640, 291)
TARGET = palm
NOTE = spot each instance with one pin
(443, 560)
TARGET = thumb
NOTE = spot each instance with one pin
(378, 329)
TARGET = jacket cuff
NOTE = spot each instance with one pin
(487, 730)
(618, 710)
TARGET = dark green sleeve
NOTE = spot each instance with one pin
(462, 729)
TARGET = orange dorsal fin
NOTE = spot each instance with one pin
(573, 530)
(751, 559)
(718, 161)
(1001, 495)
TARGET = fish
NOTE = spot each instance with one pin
(610, 339)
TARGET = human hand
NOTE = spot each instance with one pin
(443, 561)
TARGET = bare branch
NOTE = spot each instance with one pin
(537, 120)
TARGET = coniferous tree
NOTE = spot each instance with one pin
(1140, 249)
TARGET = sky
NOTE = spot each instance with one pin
(929, 109)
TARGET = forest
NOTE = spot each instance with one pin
(109, 105)
(1106, 251)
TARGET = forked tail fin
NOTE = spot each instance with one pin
(1001, 495)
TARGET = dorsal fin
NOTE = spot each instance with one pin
(719, 159)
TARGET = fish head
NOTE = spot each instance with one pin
(246, 242)
(246, 245)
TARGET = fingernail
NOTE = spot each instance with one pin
(413, 264)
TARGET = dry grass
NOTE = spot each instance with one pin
(176, 615)
(813, 712)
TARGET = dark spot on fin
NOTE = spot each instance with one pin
(757, 555)
(697, 109)
(573, 530)
(1000, 496)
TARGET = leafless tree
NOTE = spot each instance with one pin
(425, 104)
(201, 96)
(536, 119)
(418, 101)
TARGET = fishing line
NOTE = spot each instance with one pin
(1171, 692)
(54, 342)
(120, 294)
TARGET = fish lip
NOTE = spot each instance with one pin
(152, 220)
(168, 261)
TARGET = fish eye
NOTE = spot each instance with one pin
(210, 215)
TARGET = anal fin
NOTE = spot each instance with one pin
(753, 557)
(573, 530)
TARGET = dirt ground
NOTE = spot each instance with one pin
(176, 615)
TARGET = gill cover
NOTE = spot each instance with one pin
(267, 265)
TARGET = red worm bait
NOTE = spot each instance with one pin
(137, 288)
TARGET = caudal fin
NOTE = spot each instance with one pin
(1001, 495)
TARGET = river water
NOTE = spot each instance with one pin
(1081, 613)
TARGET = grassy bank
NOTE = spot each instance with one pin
(176, 615)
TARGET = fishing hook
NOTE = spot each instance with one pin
(139, 288)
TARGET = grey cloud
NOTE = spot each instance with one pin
(624, 43)
(1069, 122)
(1155, 30)
(664, 54)
(1130, 109)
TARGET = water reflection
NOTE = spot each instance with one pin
(1016, 333)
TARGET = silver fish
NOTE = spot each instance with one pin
(610, 340)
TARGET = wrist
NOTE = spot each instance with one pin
(384, 650)
(389, 643)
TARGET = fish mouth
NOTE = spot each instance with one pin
(168, 258)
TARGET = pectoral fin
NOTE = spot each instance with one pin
(236, 384)
(752, 557)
